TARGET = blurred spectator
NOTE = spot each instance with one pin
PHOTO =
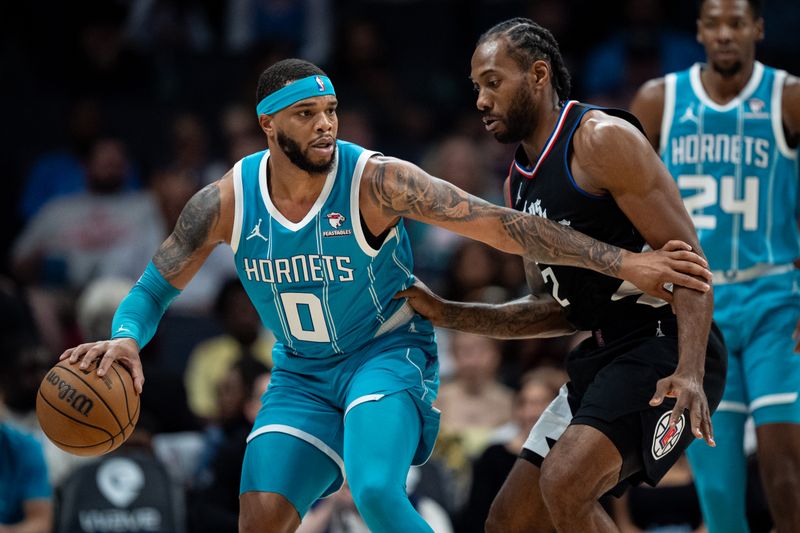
(474, 402)
(244, 339)
(97, 232)
(26, 504)
(304, 25)
(670, 507)
(25, 364)
(645, 49)
(190, 150)
(242, 134)
(215, 507)
(538, 388)
(472, 269)
(62, 171)
(97, 304)
(159, 25)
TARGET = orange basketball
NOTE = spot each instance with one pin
(86, 414)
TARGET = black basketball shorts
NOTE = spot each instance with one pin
(613, 376)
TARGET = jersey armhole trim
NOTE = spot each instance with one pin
(355, 210)
(777, 115)
(670, 82)
(572, 181)
(238, 206)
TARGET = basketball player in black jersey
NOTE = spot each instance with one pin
(643, 386)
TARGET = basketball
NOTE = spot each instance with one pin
(83, 413)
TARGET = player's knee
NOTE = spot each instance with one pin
(371, 496)
(558, 483)
(497, 521)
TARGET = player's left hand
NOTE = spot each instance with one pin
(796, 337)
(688, 391)
(674, 263)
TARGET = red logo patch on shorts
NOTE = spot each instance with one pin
(665, 437)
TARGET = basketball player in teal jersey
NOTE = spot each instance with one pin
(728, 133)
(316, 227)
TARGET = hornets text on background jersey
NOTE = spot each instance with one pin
(546, 188)
(736, 172)
(318, 284)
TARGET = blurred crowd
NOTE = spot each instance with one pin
(117, 111)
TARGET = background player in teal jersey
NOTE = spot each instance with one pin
(316, 227)
(728, 133)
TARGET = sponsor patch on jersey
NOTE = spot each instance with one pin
(757, 109)
(665, 437)
(336, 220)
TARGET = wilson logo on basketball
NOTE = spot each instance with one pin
(665, 437)
(68, 394)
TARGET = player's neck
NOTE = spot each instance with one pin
(722, 89)
(289, 183)
(545, 123)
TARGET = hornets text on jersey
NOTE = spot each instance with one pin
(735, 171)
(318, 284)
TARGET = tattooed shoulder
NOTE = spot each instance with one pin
(192, 231)
(400, 188)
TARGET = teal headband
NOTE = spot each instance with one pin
(294, 92)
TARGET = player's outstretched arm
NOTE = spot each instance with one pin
(392, 188)
(205, 221)
(535, 315)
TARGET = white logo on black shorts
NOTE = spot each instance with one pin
(665, 437)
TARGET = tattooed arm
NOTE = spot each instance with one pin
(392, 188)
(205, 222)
(535, 315)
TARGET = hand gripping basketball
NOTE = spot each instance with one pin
(123, 350)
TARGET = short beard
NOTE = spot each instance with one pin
(730, 71)
(300, 158)
(520, 120)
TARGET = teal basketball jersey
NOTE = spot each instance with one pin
(736, 172)
(318, 284)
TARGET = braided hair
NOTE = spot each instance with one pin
(529, 42)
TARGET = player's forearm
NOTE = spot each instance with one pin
(138, 315)
(548, 242)
(398, 188)
(521, 319)
(694, 312)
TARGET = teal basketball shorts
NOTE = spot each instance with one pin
(309, 403)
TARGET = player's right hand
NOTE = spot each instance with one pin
(123, 350)
(674, 263)
(424, 301)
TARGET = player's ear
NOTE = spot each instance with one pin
(759, 29)
(540, 73)
(265, 121)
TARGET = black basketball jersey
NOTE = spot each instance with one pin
(547, 189)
